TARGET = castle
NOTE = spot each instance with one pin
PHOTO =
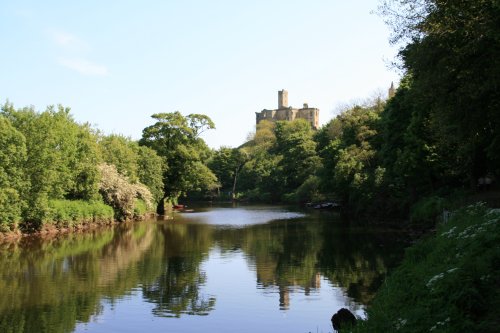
(285, 112)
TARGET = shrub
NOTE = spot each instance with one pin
(120, 194)
(140, 208)
(68, 213)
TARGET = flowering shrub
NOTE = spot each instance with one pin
(120, 194)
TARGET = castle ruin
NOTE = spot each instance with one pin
(287, 113)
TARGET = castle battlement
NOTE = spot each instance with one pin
(288, 113)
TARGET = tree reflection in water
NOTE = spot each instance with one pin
(177, 289)
(51, 285)
(296, 254)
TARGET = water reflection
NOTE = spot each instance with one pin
(176, 289)
(52, 285)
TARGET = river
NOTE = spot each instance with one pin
(217, 269)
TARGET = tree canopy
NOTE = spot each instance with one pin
(176, 139)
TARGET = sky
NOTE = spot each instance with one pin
(117, 62)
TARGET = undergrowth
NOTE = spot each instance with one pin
(68, 213)
(449, 282)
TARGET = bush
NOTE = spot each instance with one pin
(120, 194)
(67, 213)
(447, 282)
(140, 209)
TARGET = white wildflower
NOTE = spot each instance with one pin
(400, 323)
(449, 233)
(434, 279)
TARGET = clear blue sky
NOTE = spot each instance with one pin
(116, 62)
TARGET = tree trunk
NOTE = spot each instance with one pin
(233, 193)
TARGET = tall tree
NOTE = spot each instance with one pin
(349, 157)
(176, 139)
(12, 184)
(452, 53)
(226, 163)
(61, 158)
(294, 142)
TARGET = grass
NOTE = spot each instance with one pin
(449, 282)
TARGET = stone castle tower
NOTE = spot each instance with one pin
(282, 99)
(287, 113)
(392, 91)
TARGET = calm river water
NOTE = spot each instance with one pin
(218, 269)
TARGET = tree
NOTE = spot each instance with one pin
(122, 152)
(12, 185)
(222, 165)
(259, 176)
(350, 169)
(61, 158)
(226, 163)
(294, 142)
(175, 138)
(150, 168)
(452, 55)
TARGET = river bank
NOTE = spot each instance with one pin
(50, 229)
(448, 281)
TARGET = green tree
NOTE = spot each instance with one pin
(84, 167)
(61, 158)
(350, 168)
(294, 142)
(226, 163)
(12, 185)
(150, 168)
(139, 164)
(259, 176)
(452, 55)
(176, 139)
(122, 152)
(222, 165)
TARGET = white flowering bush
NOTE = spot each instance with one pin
(118, 192)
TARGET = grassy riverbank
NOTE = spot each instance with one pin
(64, 216)
(448, 282)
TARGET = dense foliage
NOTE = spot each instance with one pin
(176, 140)
(447, 283)
(273, 165)
(438, 135)
(49, 170)
(56, 171)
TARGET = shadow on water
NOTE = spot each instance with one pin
(53, 285)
